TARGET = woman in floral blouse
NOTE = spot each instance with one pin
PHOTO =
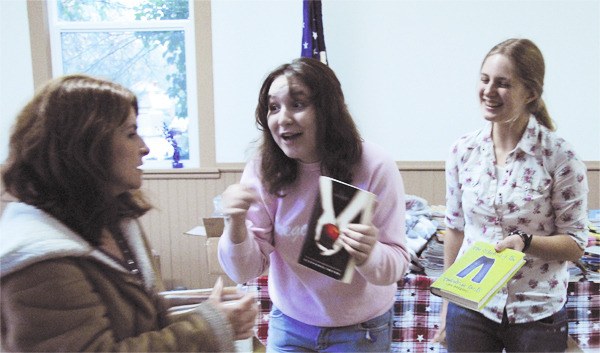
(518, 185)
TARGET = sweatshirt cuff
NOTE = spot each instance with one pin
(220, 326)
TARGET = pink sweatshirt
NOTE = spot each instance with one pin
(276, 231)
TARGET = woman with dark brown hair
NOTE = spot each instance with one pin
(76, 268)
(308, 132)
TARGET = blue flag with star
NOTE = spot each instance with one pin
(313, 40)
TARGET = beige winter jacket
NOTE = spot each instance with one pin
(58, 293)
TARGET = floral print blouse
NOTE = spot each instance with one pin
(542, 190)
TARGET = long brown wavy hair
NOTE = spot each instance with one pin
(338, 140)
(530, 69)
(59, 156)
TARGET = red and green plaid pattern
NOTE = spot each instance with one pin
(416, 314)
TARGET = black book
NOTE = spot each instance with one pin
(338, 204)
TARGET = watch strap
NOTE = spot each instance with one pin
(526, 238)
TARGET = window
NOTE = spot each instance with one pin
(146, 45)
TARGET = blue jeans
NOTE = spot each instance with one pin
(289, 335)
(470, 331)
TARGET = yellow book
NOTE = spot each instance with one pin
(477, 275)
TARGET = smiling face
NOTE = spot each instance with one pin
(292, 119)
(127, 151)
(502, 96)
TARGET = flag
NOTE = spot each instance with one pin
(313, 40)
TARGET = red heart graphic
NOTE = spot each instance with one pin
(332, 231)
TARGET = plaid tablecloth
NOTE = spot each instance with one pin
(416, 314)
(262, 320)
(583, 308)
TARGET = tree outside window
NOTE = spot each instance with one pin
(147, 46)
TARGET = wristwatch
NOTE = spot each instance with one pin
(526, 238)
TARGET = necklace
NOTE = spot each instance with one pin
(128, 258)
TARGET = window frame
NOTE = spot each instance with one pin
(199, 75)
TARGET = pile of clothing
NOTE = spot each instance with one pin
(424, 232)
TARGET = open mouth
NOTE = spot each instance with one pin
(492, 104)
(290, 136)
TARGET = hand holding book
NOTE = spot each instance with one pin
(359, 240)
(473, 279)
(338, 205)
(329, 224)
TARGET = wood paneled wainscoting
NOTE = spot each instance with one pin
(182, 198)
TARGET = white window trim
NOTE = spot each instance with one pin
(55, 28)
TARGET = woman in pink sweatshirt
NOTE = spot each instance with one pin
(308, 132)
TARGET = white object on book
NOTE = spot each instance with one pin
(323, 249)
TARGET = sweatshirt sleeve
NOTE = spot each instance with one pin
(389, 258)
(56, 306)
(250, 259)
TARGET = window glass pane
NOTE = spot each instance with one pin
(121, 10)
(150, 63)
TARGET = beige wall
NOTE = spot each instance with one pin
(182, 202)
(182, 199)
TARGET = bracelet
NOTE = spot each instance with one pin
(526, 238)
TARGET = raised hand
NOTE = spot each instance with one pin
(241, 313)
(236, 200)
